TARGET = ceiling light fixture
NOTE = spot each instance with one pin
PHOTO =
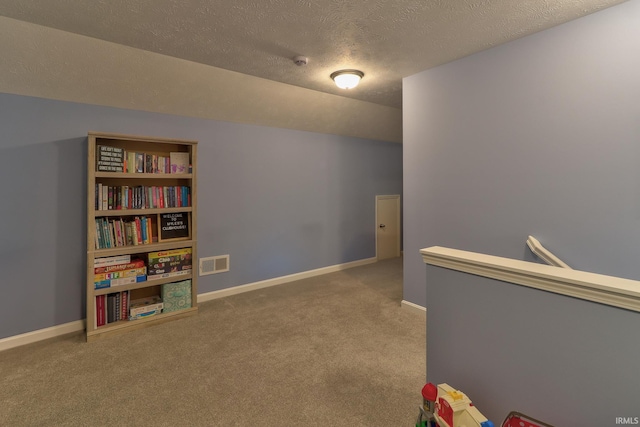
(347, 79)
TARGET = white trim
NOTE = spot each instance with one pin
(414, 308)
(281, 280)
(544, 253)
(79, 325)
(610, 290)
(41, 334)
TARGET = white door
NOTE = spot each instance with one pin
(387, 226)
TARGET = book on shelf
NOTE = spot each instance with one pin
(167, 275)
(111, 308)
(99, 242)
(141, 197)
(121, 281)
(100, 319)
(148, 163)
(159, 256)
(181, 266)
(145, 230)
(130, 162)
(98, 197)
(124, 305)
(111, 260)
(169, 263)
(134, 263)
(117, 232)
(105, 197)
(133, 272)
(145, 307)
(179, 162)
(139, 163)
(136, 162)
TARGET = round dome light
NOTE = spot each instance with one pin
(347, 79)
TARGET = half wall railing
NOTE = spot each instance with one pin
(610, 290)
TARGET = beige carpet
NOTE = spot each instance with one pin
(335, 350)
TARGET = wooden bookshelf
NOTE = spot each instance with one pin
(134, 209)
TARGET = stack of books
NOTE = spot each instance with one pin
(171, 263)
(114, 159)
(111, 272)
(117, 271)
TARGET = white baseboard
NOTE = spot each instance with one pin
(415, 308)
(281, 280)
(41, 334)
(79, 325)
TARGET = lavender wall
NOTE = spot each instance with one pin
(561, 360)
(536, 137)
(277, 201)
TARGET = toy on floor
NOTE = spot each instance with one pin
(516, 419)
(444, 406)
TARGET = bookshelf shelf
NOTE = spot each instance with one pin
(141, 227)
(146, 284)
(123, 326)
(134, 249)
(150, 211)
(115, 175)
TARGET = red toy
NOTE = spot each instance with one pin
(516, 419)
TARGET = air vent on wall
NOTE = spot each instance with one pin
(214, 264)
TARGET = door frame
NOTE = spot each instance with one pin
(398, 221)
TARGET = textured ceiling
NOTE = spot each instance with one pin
(386, 39)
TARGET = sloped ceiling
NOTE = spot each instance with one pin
(387, 40)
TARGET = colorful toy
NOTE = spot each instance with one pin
(444, 406)
(516, 419)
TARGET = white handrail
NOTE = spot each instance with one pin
(544, 254)
(610, 290)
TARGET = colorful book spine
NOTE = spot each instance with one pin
(111, 308)
(172, 259)
(100, 311)
(139, 163)
(112, 260)
(133, 272)
(124, 305)
(122, 281)
(162, 254)
(136, 263)
(168, 269)
(169, 263)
